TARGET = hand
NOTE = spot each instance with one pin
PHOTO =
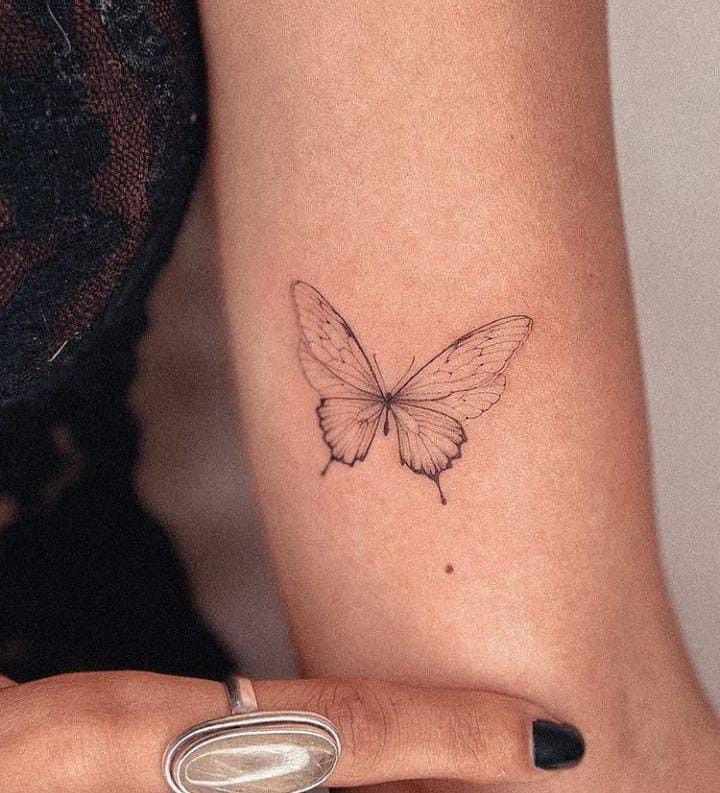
(105, 732)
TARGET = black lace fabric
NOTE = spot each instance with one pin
(102, 119)
(102, 131)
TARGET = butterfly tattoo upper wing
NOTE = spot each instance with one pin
(336, 366)
(428, 408)
(458, 384)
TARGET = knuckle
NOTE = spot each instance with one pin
(85, 746)
(367, 722)
(86, 743)
(67, 755)
(71, 728)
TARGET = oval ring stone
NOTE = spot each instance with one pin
(275, 757)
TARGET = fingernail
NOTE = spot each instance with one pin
(556, 745)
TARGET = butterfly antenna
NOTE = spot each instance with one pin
(380, 377)
(401, 381)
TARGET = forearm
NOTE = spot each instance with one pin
(432, 168)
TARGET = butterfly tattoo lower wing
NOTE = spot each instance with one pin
(429, 407)
(428, 439)
(348, 427)
(336, 366)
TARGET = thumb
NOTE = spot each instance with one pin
(393, 732)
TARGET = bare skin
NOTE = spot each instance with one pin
(434, 167)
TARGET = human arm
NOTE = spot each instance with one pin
(431, 168)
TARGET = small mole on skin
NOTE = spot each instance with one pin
(449, 568)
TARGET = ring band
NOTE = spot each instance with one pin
(241, 694)
(253, 750)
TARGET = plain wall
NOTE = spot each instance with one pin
(666, 81)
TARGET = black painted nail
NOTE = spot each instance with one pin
(556, 745)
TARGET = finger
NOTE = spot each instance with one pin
(5, 682)
(393, 732)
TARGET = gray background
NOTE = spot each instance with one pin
(665, 59)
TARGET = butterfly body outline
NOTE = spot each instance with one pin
(428, 405)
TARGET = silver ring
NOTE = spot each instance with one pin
(253, 751)
(241, 694)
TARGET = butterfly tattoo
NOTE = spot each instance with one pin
(428, 406)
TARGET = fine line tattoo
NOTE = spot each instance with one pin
(428, 406)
